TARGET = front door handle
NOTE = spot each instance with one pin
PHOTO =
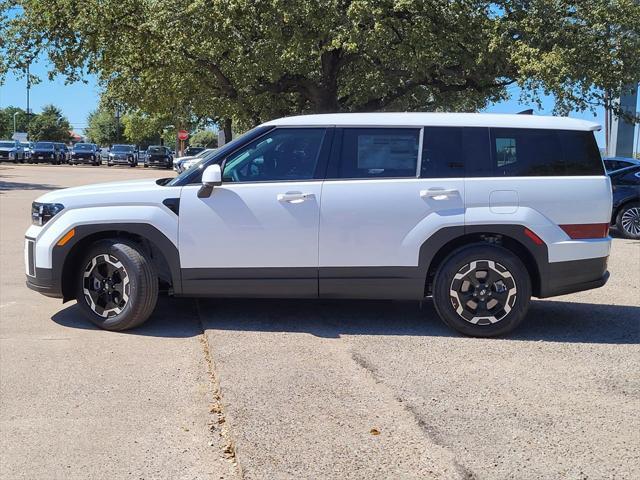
(293, 197)
(439, 193)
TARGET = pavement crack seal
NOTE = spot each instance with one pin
(428, 431)
(218, 422)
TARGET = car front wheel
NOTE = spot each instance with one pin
(482, 290)
(117, 285)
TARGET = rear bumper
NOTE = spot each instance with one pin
(45, 282)
(562, 278)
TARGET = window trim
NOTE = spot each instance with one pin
(420, 147)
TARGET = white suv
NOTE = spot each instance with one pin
(478, 211)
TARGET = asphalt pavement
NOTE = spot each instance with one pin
(311, 389)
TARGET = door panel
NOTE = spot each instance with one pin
(247, 240)
(372, 229)
(257, 233)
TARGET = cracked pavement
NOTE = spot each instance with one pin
(311, 389)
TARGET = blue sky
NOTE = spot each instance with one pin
(78, 99)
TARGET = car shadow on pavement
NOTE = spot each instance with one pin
(552, 321)
(6, 186)
(172, 317)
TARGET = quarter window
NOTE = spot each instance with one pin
(379, 153)
(527, 152)
(281, 155)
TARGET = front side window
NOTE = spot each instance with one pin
(379, 153)
(281, 155)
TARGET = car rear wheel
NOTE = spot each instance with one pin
(117, 285)
(482, 290)
(628, 220)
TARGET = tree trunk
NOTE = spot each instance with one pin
(226, 128)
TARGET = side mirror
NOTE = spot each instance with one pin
(211, 177)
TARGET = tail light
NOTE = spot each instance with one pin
(586, 230)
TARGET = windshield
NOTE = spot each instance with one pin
(25, 145)
(122, 148)
(156, 150)
(7, 144)
(44, 145)
(193, 175)
(83, 147)
(205, 153)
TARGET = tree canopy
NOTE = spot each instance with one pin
(50, 124)
(204, 138)
(6, 121)
(253, 60)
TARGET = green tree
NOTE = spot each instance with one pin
(204, 138)
(254, 60)
(51, 125)
(103, 128)
(6, 121)
(142, 129)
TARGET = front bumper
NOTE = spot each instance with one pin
(84, 159)
(43, 157)
(120, 161)
(562, 278)
(159, 162)
(45, 282)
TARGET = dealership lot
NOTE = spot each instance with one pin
(310, 389)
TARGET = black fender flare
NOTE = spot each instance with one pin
(145, 231)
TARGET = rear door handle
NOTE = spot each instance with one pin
(438, 193)
(293, 197)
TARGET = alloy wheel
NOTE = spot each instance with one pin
(483, 292)
(106, 285)
(631, 221)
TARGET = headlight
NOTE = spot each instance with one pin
(41, 213)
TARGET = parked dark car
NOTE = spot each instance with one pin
(123, 155)
(616, 163)
(85, 153)
(46, 152)
(11, 150)
(65, 153)
(626, 201)
(158, 156)
(192, 151)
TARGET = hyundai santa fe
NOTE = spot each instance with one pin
(478, 211)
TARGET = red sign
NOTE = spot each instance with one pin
(183, 134)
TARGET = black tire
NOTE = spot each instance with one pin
(628, 221)
(137, 278)
(511, 294)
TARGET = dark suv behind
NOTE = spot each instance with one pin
(626, 201)
(123, 155)
(85, 153)
(158, 156)
(44, 152)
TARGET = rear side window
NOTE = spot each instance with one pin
(538, 152)
(449, 152)
(379, 153)
(581, 153)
